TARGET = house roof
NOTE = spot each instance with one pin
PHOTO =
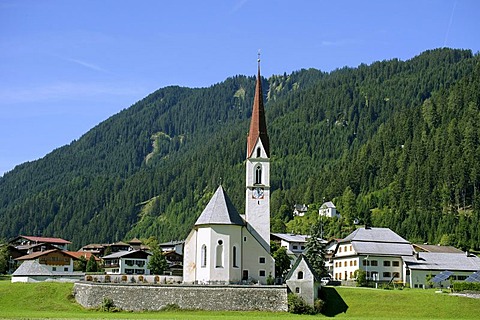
(85, 254)
(383, 235)
(135, 241)
(171, 243)
(258, 126)
(443, 261)
(122, 254)
(297, 263)
(220, 210)
(43, 239)
(436, 248)
(383, 248)
(35, 255)
(291, 237)
(328, 204)
(32, 268)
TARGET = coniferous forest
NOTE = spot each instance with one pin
(394, 144)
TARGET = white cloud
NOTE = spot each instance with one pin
(68, 91)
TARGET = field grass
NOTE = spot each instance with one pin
(54, 300)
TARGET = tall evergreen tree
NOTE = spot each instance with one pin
(315, 250)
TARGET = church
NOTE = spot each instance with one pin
(225, 247)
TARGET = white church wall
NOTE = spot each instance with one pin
(189, 257)
(252, 262)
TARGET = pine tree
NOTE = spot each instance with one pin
(315, 251)
(157, 263)
(92, 265)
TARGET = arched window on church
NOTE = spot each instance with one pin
(219, 255)
(259, 152)
(234, 256)
(204, 256)
(258, 174)
(300, 275)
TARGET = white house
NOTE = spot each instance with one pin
(294, 243)
(223, 247)
(431, 264)
(378, 251)
(300, 210)
(329, 210)
(127, 262)
(303, 280)
(46, 265)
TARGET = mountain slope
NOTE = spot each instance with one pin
(381, 131)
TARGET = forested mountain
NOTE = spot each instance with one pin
(395, 143)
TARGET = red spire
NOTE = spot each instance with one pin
(258, 126)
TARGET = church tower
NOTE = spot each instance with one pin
(257, 205)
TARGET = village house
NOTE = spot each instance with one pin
(127, 262)
(377, 251)
(328, 210)
(299, 210)
(424, 265)
(26, 243)
(46, 265)
(294, 243)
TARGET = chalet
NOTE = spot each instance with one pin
(430, 264)
(377, 251)
(127, 262)
(34, 271)
(176, 246)
(300, 210)
(303, 280)
(43, 265)
(329, 210)
(32, 240)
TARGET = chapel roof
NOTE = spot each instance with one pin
(220, 210)
(258, 126)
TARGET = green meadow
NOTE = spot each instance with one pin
(54, 301)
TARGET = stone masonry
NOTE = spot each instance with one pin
(140, 297)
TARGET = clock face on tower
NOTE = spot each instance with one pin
(257, 193)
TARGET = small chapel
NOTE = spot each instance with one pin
(225, 247)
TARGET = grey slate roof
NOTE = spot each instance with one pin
(443, 261)
(374, 235)
(121, 254)
(328, 204)
(378, 241)
(291, 237)
(220, 210)
(32, 268)
(382, 249)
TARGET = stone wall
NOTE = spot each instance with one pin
(139, 297)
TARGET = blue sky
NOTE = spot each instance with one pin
(65, 66)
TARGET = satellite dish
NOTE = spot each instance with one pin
(356, 221)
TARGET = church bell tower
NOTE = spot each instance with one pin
(257, 210)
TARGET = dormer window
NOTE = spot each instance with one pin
(259, 152)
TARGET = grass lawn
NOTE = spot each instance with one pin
(54, 300)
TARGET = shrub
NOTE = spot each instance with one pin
(361, 277)
(124, 278)
(298, 306)
(107, 278)
(108, 305)
(466, 286)
(318, 305)
(140, 278)
(270, 280)
(89, 278)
